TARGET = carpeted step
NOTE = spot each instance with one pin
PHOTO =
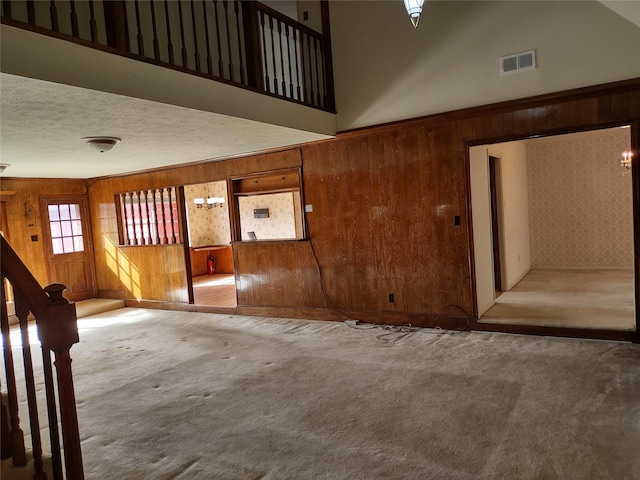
(93, 306)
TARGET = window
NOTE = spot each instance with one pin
(65, 225)
(148, 217)
(268, 206)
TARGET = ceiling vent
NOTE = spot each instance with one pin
(518, 62)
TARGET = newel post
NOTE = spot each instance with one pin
(58, 331)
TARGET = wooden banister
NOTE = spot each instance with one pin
(57, 328)
(237, 31)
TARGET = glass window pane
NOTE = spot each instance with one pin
(66, 228)
(57, 246)
(64, 212)
(56, 231)
(78, 244)
(53, 212)
(75, 211)
(67, 244)
(76, 227)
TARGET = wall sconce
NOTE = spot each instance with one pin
(625, 161)
(210, 202)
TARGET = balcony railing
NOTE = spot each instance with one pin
(243, 43)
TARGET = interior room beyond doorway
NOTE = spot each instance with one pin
(564, 232)
(210, 253)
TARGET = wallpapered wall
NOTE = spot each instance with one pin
(281, 222)
(207, 227)
(580, 209)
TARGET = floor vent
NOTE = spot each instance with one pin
(518, 62)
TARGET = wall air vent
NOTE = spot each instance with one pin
(518, 62)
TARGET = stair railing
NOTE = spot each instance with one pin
(57, 329)
(243, 43)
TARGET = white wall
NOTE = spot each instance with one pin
(515, 247)
(385, 70)
(482, 240)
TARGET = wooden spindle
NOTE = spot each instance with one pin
(74, 19)
(138, 26)
(156, 43)
(324, 76)
(284, 80)
(147, 223)
(195, 37)
(140, 238)
(206, 37)
(220, 62)
(155, 215)
(273, 57)
(168, 22)
(54, 434)
(171, 204)
(93, 26)
(225, 5)
(164, 219)
(315, 53)
(295, 43)
(264, 53)
(185, 61)
(53, 14)
(236, 6)
(289, 60)
(131, 232)
(311, 94)
(304, 69)
(22, 312)
(31, 12)
(17, 435)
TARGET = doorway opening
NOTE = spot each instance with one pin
(564, 233)
(210, 253)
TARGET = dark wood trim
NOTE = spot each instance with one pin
(181, 205)
(635, 185)
(495, 225)
(617, 335)
(505, 106)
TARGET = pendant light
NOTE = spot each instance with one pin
(414, 9)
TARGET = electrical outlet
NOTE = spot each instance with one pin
(391, 298)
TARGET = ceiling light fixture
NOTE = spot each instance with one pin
(414, 9)
(101, 144)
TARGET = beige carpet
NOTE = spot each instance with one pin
(170, 395)
(599, 299)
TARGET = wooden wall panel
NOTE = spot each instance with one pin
(336, 183)
(277, 274)
(163, 277)
(24, 219)
(385, 203)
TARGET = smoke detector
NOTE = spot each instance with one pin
(101, 144)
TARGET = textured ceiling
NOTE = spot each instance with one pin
(41, 124)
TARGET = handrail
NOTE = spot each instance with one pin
(57, 328)
(243, 43)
